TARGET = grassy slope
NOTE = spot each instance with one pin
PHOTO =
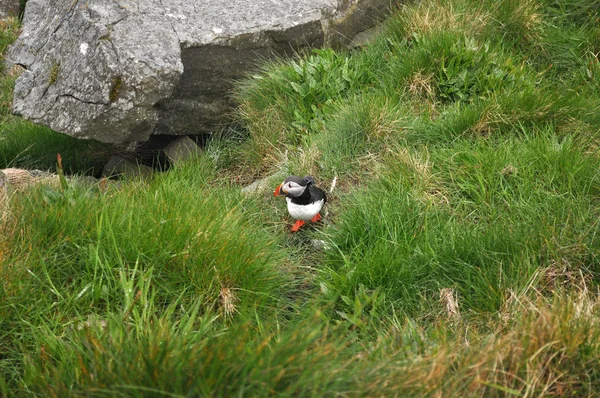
(462, 234)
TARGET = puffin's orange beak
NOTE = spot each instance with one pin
(278, 191)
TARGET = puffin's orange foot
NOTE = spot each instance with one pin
(296, 227)
(316, 218)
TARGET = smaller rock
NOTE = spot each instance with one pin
(41, 175)
(3, 182)
(117, 166)
(261, 184)
(509, 170)
(255, 186)
(182, 149)
(18, 178)
(4, 204)
(365, 37)
(319, 244)
(83, 181)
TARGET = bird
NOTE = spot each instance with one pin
(304, 199)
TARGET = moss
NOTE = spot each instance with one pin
(114, 90)
(54, 70)
(107, 35)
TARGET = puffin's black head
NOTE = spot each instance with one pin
(293, 186)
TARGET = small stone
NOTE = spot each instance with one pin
(262, 184)
(365, 37)
(182, 149)
(509, 170)
(40, 174)
(117, 166)
(319, 244)
(3, 182)
(255, 186)
(18, 178)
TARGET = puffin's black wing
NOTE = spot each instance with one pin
(317, 194)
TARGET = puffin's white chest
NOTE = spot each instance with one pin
(304, 212)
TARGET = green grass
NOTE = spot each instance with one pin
(461, 254)
(164, 247)
(482, 219)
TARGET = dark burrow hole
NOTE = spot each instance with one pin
(151, 152)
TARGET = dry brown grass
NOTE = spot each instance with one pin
(307, 159)
(562, 274)
(263, 151)
(383, 120)
(9, 271)
(20, 179)
(449, 300)
(421, 86)
(227, 302)
(511, 15)
(430, 16)
(419, 163)
(488, 121)
(5, 223)
(427, 187)
(526, 18)
(421, 89)
(543, 350)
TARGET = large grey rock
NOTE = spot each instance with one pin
(119, 71)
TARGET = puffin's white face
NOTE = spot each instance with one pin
(292, 189)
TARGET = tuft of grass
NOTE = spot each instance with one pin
(519, 23)
(9, 30)
(297, 96)
(355, 131)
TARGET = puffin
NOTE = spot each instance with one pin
(304, 199)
